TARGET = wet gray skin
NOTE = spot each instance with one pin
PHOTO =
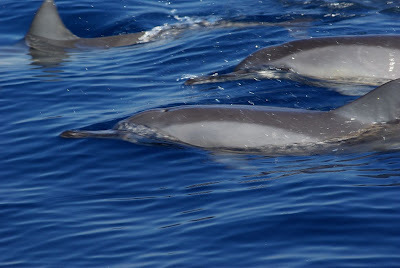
(361, 60)
(48, 33)
(370, 119)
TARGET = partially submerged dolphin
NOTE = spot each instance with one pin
(361, 60)
(371, 119)
(49, 34)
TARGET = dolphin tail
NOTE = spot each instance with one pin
(48, 24)
(381, 105)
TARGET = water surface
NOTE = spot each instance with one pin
(109, 203)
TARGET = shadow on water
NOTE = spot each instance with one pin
(48, 59)
(49, 62)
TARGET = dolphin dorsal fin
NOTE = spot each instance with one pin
(48, 24)
(378, 106)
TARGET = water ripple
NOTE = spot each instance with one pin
(109, 203)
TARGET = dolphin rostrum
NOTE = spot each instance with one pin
(360, 60)
(371, 119)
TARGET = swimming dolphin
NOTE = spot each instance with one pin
(48, 33)
(360, 60)
(370, 119)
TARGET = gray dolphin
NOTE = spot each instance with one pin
(48, 33)
(361, 60)
(371, 119)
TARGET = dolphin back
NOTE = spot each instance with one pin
(48, 24)
(381, 105)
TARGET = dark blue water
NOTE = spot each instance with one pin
(109, 203)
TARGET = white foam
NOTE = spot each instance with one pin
(182, 24)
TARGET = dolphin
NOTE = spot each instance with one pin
(371, 119)
(48, 32)
(327, 61)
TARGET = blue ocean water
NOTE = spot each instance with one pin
(109, 203)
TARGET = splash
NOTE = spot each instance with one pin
(186, 23)
(182, 24)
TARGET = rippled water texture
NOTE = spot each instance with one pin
(109, 203)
